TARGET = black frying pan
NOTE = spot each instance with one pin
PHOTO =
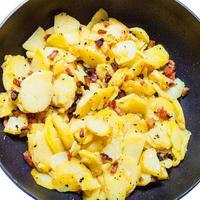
(168, 23)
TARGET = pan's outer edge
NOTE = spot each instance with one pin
(10, 176)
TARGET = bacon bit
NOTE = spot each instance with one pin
(114, 65)
(169, 70)
(150, 123)
(99, 42)
(69, 155)
(94, 77)
(81, 133)
(14, 95)
(32, 120)
(79, 84)
(104, 156)
(47, 36)
(151, 44)
(89, 71)
(185, 91)
(41, 116)
(107, 77)
(16, 113)
(162, 113)
(154, 179)
(113, 105)
(101, 31)
(53, 55)
(29, 126)
(28, 159)
(17, 82)
(69, 72)
(171, 62)
(114, 167)
(106, 24)
(87, 80)
(30, 73)
(161, 156)
(121, 94)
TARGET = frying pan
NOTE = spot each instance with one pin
(168, 23)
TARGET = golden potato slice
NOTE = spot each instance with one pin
(116, 184)
(63, 130)
(68, 26)
(65, 182)
(124, 52)
(92, 161)
(50, 30)
(113, 119)
(91, 55)
(100, 15)
(52, 137)
(14, 67)
(97, 126)
(167, 163)
(103, 69)
(140, 33)
(57, 159)
(185, 139)
(156, 56)
(160, 79)
(133, 146)
(91, 195)
(36, 100)
(39, 61)
(118, 77)
(132, 103)
(113, 149)
(140, 87)
(179, 115)
(36, 40)
(83, 106)
(175, 92)
(114, 31)
(42, 179)
(135, 69)
(15, 125)
(80, 173)
(6, 105)
(155, 104)
(101, 97)
(38, 148)
(158, 136)
(163, 174)
(57, 40)
(150, 162)
(132, 172)
(144, 179)
(64, 90)
(134, 123)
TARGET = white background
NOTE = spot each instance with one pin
(8, 190)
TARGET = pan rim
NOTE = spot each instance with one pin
(25, 190)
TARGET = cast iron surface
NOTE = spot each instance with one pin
(168, 23)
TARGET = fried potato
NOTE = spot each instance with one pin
(36, 100)
(156, 56)
(36, 40)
